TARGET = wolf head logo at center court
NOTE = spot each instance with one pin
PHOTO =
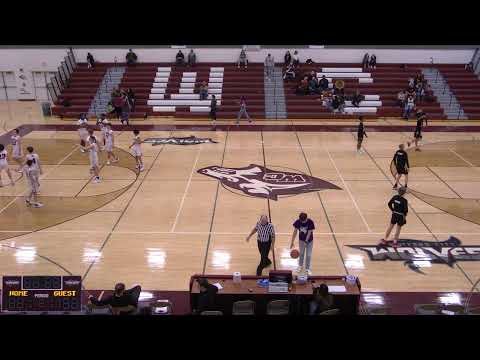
(415, 253)
(259, 181)
(189, 140)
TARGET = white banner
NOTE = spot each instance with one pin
(25, 90)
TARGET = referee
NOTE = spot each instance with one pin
(265, 240)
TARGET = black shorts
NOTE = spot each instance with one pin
(417, 134)
(402, 170)
(398, 219)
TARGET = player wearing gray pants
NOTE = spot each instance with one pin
(243, 111)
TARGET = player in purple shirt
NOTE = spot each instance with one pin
(304, 226)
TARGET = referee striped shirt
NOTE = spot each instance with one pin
(264, 232)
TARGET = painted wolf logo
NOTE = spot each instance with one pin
(189, 140)
(413, 252)
(259, 181)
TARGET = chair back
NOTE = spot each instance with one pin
(211, 313)
(428, 309)
(162, 307)
(330, 312)
(246, 307)
(278, 307)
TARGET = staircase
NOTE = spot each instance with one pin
(448, 102)
(111, 80)
(275, 107)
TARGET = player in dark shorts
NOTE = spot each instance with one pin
(360, 133)
(400, 160)
(213, 110)
(417, 135)
(399, 207)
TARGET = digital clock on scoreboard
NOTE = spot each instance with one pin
(41, 293)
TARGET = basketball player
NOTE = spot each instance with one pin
(4, 165)
(399, 207)
(35, 160)
(17, 152)
(243, 111)
(31, 176)
(213, 110)
(137, 149)
(400, 160)
(101, 122)
(82, 129)
(92, 147)
(360, 133)
(109, 141)
(417, 135)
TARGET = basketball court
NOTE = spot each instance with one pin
(193, 206)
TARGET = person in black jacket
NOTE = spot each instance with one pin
(122, 302)
(90, 61)
(360, 133)
(180, 58)
(131, 57)
(206, 297)
(399, 207)
(400, 160)
(287, 58)
(213, 110)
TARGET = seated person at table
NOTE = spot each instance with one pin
(131, 57)
(122, 302)
(206, 297)
(180, 58)
(322, 300)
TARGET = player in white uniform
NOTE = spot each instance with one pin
(137, 149)
(109, 143)
(92, 147)
(17, 152)
(82, 129)
(4, 165)
(31, 176)
(31, 155)
(102, 121)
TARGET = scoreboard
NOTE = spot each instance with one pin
(41, 293)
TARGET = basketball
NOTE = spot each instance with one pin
(294, 253)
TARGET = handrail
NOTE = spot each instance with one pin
(469, 297)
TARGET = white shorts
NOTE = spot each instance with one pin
(109, 147)
(17, 152)
(83, 133)
(3, 165)
(33, 185)
(136, 152)
(93, 160)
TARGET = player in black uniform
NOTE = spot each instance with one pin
(400, 160)
(360, 133)
(417, 135)
(399, 207)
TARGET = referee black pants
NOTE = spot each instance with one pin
(264, 248)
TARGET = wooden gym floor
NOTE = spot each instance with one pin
(159, 227)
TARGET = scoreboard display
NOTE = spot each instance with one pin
(41, 293)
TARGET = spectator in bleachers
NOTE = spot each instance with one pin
(131, 57)
(90, 61)
(203, 91)
(295, 59)
(110, 108)
(409, 106)
(269, 66)
(323, 83)
(411, 92)
(131, 99)
(373, 62)
(338, 90)
(411, 82)
(419, 92)
(122, 302)
(327, 101)
(312, 74)
(287, 58)
(357, 98)
(365, 62)
(242, 59)
(428, 94)
(117, 102)
(192, 58)
(289, 73)
(302, 88)
(313, 85)
(417, 80)
(180, 58)
(401, 97)
(469, 66)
